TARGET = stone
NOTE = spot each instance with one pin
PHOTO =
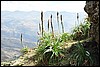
(92, 9)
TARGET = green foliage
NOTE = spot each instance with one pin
(65, 37)
(82, 31)
(49, 48)
(24, 50)
(49, 44)
(80, 57)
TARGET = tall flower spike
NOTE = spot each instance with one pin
(21, 40)
(21, 37)
(42, 21)
(58, 22)
(48, 25)
(52, 26)
(78, 18)
(62, 24)
(77, 15)
(39, 27)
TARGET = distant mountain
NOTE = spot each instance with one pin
(27, 22)
(17, 22)
(10, 48)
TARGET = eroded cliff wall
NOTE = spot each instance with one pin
(92, 9)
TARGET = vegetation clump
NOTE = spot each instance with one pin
(50, 50)
(63, 49)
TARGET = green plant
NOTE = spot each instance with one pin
(82, 31)
(49, 50)
(24, 50)
(55, 51)
(43, 44)
(80, 57)
(65, 37)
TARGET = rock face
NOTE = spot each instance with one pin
(92, 9)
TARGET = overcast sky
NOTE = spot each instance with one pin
(69, 6)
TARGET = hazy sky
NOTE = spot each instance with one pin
(69, 6)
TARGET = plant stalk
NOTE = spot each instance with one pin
(52, 26)
(42, 22)
(62, 24)
(58, 22)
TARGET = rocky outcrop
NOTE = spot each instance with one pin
(92, 9)
(27, 59)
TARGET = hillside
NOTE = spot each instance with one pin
(17, 22)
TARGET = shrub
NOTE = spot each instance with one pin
(80, 57)
(82, 31)
(24, 50)
(49, 50)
